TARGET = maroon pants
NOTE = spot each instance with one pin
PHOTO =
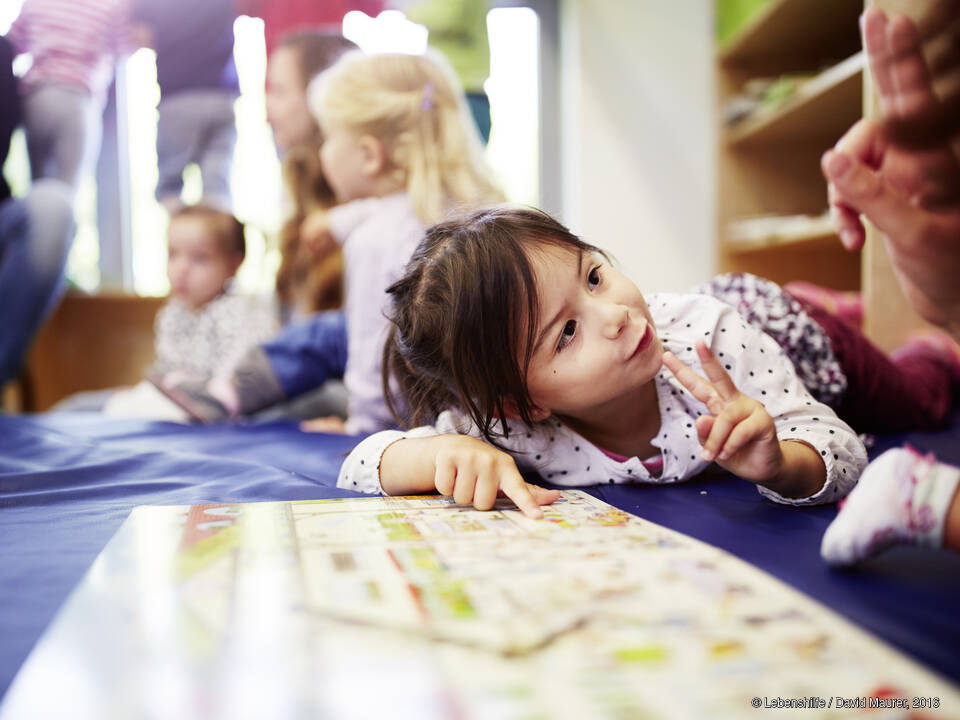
(886, 395)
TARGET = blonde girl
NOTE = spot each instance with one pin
(399, 151)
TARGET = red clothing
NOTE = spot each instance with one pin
(72, 41)
(653, 465)
(283, 17)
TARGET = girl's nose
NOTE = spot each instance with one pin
(616, 318)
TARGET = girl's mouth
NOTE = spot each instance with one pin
(644, 343)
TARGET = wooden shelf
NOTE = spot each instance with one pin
(796, 34)
(824, 108)
(759, 234)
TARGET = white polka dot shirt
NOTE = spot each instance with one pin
(755, 362)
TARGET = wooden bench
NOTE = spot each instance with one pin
(91, 342)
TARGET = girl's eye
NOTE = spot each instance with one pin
(593, 277)
(566, 336)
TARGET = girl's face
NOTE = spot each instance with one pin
(287, 110)
(596, 340)
(348, 163)
(197, 267)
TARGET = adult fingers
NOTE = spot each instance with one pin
(700, 388)
(865, 141)
(873, 28)
(846, 221)
(912, 86)
(864, 191)
(719, 378)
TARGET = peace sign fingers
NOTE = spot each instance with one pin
(716, 391)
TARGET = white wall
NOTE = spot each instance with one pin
(637, 137)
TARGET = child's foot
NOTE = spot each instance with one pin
(192, 396)
(848, 306)
(932, 342)
(902, 498)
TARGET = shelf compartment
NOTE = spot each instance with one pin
(791, 34)
(824, 108)
(763, 233)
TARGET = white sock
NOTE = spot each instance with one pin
(223, 390)
(902, 498)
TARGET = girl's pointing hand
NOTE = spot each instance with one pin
(474, 473)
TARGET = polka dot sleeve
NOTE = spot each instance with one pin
(360, 472)
(760, 369)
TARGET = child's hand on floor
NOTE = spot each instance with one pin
(739, 434)
(331, 424)
(474, 473)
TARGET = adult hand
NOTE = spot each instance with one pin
(902, 174)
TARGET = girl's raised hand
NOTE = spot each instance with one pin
(739, 433)
(316, 235)
(474, 473)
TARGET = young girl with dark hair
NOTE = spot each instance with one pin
(523, 346)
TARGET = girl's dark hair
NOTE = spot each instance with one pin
(464, 317)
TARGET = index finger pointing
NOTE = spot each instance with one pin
(517, 490)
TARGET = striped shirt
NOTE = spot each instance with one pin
(72, 41)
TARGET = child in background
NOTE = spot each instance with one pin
(524, 346)
(399, 151)
(204, 328)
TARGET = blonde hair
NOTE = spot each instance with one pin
(412, 104)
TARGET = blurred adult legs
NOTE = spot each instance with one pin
(196, 126)
(35, 237)
(63, 132)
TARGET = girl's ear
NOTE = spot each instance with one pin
(373, 155)
(510, 409)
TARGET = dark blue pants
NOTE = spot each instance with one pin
(306, 353)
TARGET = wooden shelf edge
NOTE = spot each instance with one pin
(731, 50)
(849, 70)
(741, 247)
(795, 230)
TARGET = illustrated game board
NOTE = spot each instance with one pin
(415, 607)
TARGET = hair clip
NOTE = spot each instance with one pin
(426, 100)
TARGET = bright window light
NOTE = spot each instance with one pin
(390, 31)
(9, 9)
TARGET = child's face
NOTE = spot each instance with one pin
(347, 163)
(596, 340)
(197, 266)
(287, 110)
